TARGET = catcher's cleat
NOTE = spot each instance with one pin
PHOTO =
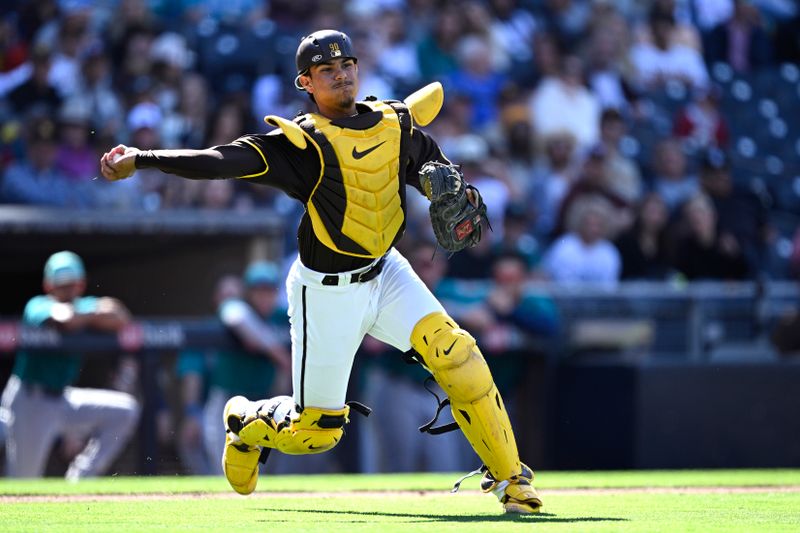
(240, 464)
(516, 494)
(239, 461)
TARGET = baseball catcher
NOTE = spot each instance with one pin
(348, 163)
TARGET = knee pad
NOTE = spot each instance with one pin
(452, 356)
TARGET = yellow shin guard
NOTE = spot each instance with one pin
(313, 430)
(453, 357)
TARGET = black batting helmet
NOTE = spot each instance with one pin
(321, 46)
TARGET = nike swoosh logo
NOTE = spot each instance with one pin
(447, 351)
(359, 155)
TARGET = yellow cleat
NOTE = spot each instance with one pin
(240, 464)
(239, 461)
(516, 494)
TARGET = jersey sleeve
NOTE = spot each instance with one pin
(423, 149)
(268, 159)
(293, 170)
(37, 311)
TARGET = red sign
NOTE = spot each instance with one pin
(131, 337)
(9, 333)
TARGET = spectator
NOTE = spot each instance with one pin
(436, 52)
(41, 387)
(563, 103)
(515, 143)
(476, 79)
(643, 248)
(36, 95)
(622, 173)
(741, 41)
(552, 179)
(700, 124)
(595, 181)
(106, 114)
(518, 237)
(71, 44)
(567, 20)
(521, 315)
(260, 366)
(171, 59)
(672, 180)
(702, 252)
(398, 53)
(76, 157)
(584, 254)
(607, 47)
(513, 28)
(36, 179)
(740, 213)
(663, 59)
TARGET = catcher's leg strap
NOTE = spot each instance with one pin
(453, 357)
(312, 430)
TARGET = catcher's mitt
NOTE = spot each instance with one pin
(456, 221)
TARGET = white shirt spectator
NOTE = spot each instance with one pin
(571, 260)
(556, 107)
(653, 65)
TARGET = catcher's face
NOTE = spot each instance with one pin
(334, 85)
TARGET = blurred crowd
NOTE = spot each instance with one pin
(612, 141)
(597, 130)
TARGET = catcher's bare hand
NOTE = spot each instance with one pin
(119, 162)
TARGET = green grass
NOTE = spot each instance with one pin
(350, 503)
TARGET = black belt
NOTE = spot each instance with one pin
(369, 274)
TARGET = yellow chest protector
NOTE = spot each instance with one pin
(355, 207)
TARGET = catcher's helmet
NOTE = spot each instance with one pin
(321, 46)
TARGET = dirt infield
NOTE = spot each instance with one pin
(67, 498)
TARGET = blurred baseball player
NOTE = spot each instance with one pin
(39, 400)
(348, 163)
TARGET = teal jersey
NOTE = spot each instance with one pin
(53, 371)
(239, 371)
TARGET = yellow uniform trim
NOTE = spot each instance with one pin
(426, 103)
(264, 159)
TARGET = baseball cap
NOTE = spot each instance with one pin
(261, 273)
(64, 267)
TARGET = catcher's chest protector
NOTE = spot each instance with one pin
(356, 208)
